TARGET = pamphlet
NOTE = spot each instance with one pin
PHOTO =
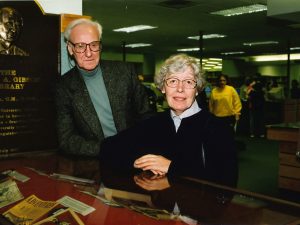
(29, 210)
(66, 216)
(72, 178)
(76, 205)
(16, 175)
(9, 193)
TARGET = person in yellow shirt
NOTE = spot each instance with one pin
(225, 102)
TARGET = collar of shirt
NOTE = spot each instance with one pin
(189, 112)
(89, 74)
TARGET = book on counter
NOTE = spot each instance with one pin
(29, 210)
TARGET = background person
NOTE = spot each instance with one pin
(295, 90)
(94, 99)
(256, 102)
(224, 102)
(184, 140)
(11, 24)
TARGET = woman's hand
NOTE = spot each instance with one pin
(156, 163)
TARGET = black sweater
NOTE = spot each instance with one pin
(202, 147)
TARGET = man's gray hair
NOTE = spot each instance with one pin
(77, 22)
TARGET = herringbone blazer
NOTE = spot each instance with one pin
(78, 127)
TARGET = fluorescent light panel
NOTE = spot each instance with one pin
(207, 36)
(261, 43)
(214, 59)
(232, 53)
(241, 10)
(188, 49)
(295, 48)
(282, 57)
(137, 45)
(134, 28)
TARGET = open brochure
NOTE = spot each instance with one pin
(65, 216)
(9, 193)
(29, 210)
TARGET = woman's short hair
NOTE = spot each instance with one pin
(176, 64)
(77, 22)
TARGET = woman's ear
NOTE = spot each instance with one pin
(163, 90)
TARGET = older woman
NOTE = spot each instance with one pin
(184, 140)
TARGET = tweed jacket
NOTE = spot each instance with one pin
(79, 129)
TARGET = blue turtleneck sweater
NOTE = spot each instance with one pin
(97, 91)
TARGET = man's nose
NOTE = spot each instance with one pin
(88, 51)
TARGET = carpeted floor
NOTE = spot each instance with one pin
(258, 165)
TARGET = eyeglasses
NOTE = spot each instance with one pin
(187, 83)
(80, 47)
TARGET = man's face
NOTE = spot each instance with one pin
(84, 33)
(10, 26)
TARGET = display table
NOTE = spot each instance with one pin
(162, 201)
(289, 164)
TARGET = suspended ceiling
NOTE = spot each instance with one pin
(178, 19)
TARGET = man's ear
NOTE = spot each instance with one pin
(70, 50)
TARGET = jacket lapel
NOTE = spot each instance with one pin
(83, 103)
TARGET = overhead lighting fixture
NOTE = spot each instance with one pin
(212, 62)
(188, 49)
(241, 10)
(232, 53)
(137, 45)
(261, 43)
(282, 57)
(207, 36)
(134, 28)
(294, 48)
(214, 59)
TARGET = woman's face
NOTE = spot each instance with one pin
(222, 81)
(180, 89)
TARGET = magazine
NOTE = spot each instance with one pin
(9, 193)
(29, 210)
(65, 216)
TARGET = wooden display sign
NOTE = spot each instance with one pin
(29, 65)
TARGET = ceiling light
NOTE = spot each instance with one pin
(207, 36)
(214, 59)
(211, 62)
(295, 48)
(241, 10)
(232, 53)
(188, 49)
(261, 43)
(282, 57)
(134, 28)
(217, 67)
(137, 45)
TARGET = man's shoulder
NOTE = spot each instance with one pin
(69, 75)
(71, 79)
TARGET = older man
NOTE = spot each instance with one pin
(95, 100)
